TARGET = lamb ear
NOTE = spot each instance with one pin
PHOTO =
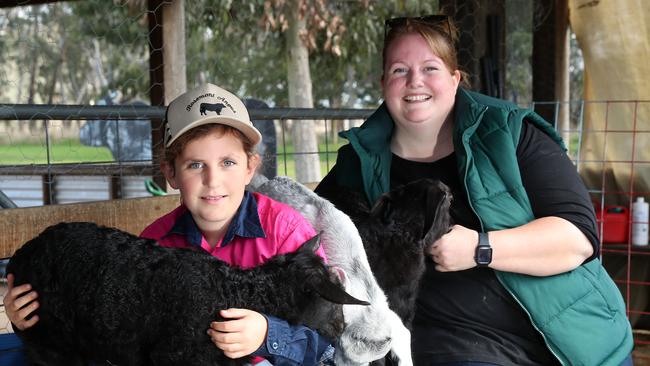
(312, 244)
(330, 291)
(340, 273)
(438, 217)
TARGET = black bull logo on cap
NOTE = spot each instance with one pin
(216, 107)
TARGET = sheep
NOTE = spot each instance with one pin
(107, 296)
(396, 232)
(371, 331)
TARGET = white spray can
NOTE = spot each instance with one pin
(640, 222)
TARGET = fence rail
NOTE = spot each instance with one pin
(69, 111)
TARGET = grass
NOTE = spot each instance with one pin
(64, 151)
(72, 151)
(286, 162)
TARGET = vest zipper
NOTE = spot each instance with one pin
(497, 272)
(529, 317)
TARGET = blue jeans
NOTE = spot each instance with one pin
(465, 363)
(626, 362)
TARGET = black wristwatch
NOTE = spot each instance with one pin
(483, 254)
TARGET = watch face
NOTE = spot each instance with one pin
(483, 255)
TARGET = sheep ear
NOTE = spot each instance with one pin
(340, 273)
(438, 217)
(312, 244)
(332, 292)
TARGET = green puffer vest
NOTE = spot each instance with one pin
(580, 313)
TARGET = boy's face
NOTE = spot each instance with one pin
(211, 174)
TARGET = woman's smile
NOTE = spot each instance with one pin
(416, 98)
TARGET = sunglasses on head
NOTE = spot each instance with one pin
(431, 20)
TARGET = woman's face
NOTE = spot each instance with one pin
(418, 87)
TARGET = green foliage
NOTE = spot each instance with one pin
(79, 50)
(120, 34)
(226, 44)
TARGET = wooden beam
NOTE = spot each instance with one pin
(167, 66)
(18, 225)
(551, 22)
(156, 61)
(156, 81)
(481, 43)
(174, 62)
(16, 3)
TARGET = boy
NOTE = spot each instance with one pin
(210, 158)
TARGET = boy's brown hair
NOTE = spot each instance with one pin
(176, 148)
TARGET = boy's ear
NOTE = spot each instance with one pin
(169, 173)
(253, 164)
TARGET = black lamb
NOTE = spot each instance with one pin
(396, 232)
(108, 297)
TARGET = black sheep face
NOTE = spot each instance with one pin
(325, 312)
(415, 212)
(320, 289)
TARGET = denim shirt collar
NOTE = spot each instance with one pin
(246, 223)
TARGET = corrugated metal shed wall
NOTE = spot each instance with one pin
(27, 190)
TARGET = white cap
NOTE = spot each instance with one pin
(205, 104)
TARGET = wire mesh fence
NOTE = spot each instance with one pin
(109, 154)
(609, 153)
(84, 134)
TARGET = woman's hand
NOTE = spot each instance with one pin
(454, 251)
(19, 303)
(543, 247)
(240, 336)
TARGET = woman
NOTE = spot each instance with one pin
(516, 281)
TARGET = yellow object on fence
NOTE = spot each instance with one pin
(614, 37)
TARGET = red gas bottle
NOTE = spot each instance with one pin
(615, 223)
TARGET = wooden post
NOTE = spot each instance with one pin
(157, 82)
(167, 65)
(481, 42)
(549, 60)
(174, 66)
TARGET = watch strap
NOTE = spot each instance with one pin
(483, 254)
(483, 240)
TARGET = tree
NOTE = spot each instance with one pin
(96, 46)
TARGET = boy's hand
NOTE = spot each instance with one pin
(19, 304)
(240, 336)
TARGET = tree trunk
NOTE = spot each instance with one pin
(300, 96)
(34, 57)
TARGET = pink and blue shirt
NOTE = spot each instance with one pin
(261, 229)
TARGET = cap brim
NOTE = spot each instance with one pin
(247, 129)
